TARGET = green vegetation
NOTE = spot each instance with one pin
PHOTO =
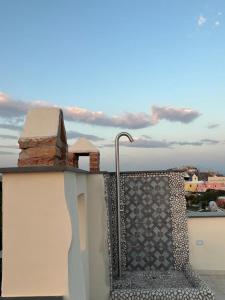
(196, 201)
(0, 215)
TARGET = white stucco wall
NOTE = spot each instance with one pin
(78, 260)
(36, 235)
(43, 221)
(98, 254)
(207, 243)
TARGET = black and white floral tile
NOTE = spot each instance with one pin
(154, 238)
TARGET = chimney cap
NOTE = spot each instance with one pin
(82, 145)
(41, 122)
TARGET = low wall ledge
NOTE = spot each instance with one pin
(215, 214)
(41, 169)
(168, 171)
(34, 298)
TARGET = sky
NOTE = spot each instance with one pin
(155, 69)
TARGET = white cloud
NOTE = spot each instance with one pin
(11, 109)
(217, 23)
(126, 120)
(201, 20)
(183, 115)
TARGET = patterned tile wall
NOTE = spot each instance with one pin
(152, 221)
(148, 223)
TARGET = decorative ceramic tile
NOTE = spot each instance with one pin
(148, 223)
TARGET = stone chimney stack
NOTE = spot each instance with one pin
(83, 147)
(43, 140)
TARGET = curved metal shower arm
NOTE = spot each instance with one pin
(124, 134)
(118, 193)
(117, 148)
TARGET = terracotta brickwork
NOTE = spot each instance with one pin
(73, 160)
(94, 162)
(44, 151)
(70, 159)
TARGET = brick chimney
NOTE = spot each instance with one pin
(43, 140)
(83, 147)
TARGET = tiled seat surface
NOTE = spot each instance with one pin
(152, 279)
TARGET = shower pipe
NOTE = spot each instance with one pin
(119, 210)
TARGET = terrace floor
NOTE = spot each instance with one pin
(217, 284)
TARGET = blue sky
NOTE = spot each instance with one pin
(119, 57)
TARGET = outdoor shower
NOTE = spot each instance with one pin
(147, 236)
(118, 191)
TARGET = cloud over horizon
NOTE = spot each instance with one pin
(75, 134)
(10, 108)
(8, 136)
(213, 125)
(151, 143)
(10, 146)
(7, 153)
(11, 126)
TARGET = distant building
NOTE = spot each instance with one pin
(187, 177)
(217, 179)
(203, 176)
(196, 186)
(194, 178)
(190, 186)
(204, 186)
(190, 170)
(191, 183)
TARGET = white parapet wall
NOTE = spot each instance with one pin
(36, 235)
(207, 243)
(97, 230)
(76, 190)
(54, 234)
(88, 214)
